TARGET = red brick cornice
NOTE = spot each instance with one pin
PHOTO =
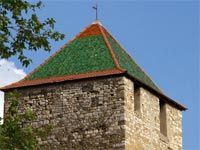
(26, 83)
(109, 47)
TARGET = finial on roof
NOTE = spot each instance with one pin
(96, 9)
(97, 22)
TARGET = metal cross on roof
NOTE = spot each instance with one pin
(96, 9)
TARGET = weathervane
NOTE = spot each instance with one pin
(96, 9)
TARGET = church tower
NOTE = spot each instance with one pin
(98, 98)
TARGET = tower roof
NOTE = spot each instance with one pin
(94, 52)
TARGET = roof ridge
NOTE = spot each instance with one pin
(109, 47)
(135, 63)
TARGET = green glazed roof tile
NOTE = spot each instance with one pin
(127, 63)
(89, 52)
(82, 55)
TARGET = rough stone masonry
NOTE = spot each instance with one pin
(104, 113)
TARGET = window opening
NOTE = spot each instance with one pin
(137, 102)
(163, 118)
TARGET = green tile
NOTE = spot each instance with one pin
(82, 55)
(127, 63)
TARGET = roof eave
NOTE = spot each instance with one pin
(27, 83)
(161, 95)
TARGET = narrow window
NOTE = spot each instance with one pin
(163, 119)
(137, 103)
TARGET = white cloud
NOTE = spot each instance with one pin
(8, 74)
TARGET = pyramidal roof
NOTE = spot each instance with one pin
(92, 53)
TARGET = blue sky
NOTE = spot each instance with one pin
(162, 36)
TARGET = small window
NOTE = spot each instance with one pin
(137, 103)
(163, 118)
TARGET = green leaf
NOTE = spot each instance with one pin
(21, 30)
(16, 133)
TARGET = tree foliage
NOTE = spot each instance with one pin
(16, 133)
(21, 29)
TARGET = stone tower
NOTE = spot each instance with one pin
(98, 98)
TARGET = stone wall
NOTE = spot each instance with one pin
(87, 114)
(100, 114)
(142, 126)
